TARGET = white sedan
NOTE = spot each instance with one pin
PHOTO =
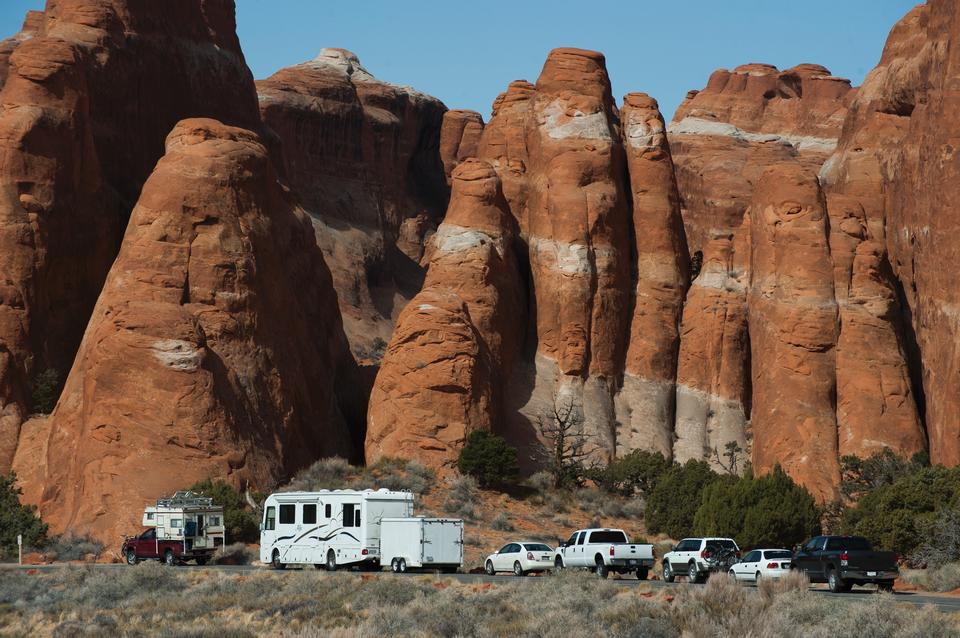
(520, 558)
(763, 563)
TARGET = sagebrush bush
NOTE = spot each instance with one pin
(462, 497)
(234, 554)
(941, 578)
(67, 547)
(335, 473)
(501, 523)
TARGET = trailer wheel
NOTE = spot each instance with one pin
(395, 566)
(168, 558)
(331, 561)
(402, 564)
(131, 557)
(275, 562)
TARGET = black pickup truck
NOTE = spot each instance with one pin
(845, 561)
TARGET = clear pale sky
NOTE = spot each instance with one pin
(465, 53)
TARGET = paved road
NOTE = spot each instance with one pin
(947, 604)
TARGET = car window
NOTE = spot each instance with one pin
(149, 535)
(814, 544)
(718, 543)
(857, 544)
(505, 549)
(608, 536)
(834, 544)
(573, 539)
(777, 553)
(752, 557)
(689, 545)
(537, 547)
(580, 538)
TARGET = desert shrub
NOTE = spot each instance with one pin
(795, 581)
(16, 518)
(673, 503)
(234, 554)
(899, 516)
(764, 511)
(332, 473)
(638, 471)
(461, 497)
(69, 547)
(501, 523)
(941, 544)
(488, 458)
(541, 483)
(46, 391)
(941, 578)
(240, 522)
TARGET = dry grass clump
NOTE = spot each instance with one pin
(501, 523)
(151, 600)
(462, 498)
(234, 554)
(67, 547)
(943, 578)
(335, 473)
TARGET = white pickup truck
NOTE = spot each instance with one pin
(605, 551)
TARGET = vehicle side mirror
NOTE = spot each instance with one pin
(561, 546)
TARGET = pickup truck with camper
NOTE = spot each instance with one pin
(335, 529)
(697, 558)
(181, 528)
(604, 551)
(845, 561)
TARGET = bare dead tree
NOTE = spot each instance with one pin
(732, 452)
(566, 443)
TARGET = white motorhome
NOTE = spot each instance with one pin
(330, 528)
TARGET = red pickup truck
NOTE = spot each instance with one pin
(146, 547)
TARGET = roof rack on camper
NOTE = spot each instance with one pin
(185, 499)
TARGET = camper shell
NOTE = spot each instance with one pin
(421, 543)
(183, 527)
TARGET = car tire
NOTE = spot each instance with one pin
(131, 557)
(275, 560)
(489, 568)
(733, 574)
(757, 577)
(885, 587)
(668, 576)
(601, 569)
(169, 559)
(201, 561)
(643, 573)
(558, 563)
(693, 574)
(518, 569)
(834, 582)
(331, 561)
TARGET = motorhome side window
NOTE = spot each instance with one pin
(149, 516)
(271, 518)
(288, 514)
(326, 510)
(175, 523)
(351, 515)
(310, 514)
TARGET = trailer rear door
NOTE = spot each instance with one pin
(442, 541)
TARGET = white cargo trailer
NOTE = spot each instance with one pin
(421, 543)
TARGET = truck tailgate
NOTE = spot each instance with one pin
(633, 551)
(871, 561)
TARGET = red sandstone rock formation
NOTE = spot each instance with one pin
(214, 349)
(86, 106)
(713, 371)
(746, 120)
(459, 138)
(442, 376)
(645, 405)
(793, 330)
(32, 25)
(364, 155)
